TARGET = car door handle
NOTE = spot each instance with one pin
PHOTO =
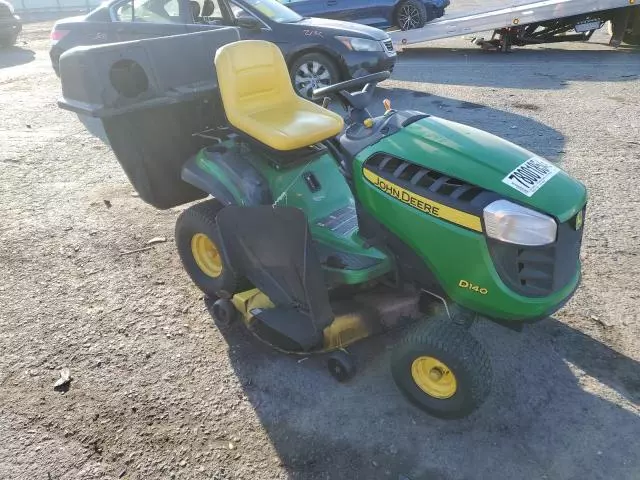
(332, 2)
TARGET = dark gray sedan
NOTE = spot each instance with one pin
(10, 24)
(319, 52)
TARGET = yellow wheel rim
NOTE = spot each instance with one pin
(433, 377)
(206, 255)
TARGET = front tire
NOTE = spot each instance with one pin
(442, 369)
(411, 14)
(311, 71)
(200, 248)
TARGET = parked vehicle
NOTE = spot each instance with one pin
(10, 24)
(535, 23)
(319, 52)
(404, 14)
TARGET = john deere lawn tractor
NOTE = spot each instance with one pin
(322, 231)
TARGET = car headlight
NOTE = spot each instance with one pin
(360, 44)
(513, 223)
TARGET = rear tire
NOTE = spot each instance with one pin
(311, 71)
(442, 369)
(411, 14)
(206, 263)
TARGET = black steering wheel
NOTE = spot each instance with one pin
(358, 100)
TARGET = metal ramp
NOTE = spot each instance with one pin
(503, 18)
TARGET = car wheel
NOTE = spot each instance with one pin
(8, 41)
(312, 71)
(411, 14)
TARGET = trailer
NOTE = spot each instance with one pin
(547, 21)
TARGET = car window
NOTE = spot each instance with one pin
(272, 9)
(238, 11)
(172, 8)
(206, 11)
(151, 11)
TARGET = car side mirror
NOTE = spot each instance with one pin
(250, 23)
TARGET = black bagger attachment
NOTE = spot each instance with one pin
(147, 99)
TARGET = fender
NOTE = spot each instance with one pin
(301, 49)
(195, 175)
(298, 50)
(227, 176)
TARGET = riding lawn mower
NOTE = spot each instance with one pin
(322, 231)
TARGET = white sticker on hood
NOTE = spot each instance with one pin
(531, 175)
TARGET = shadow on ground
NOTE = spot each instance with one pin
(537, 69)
(541, 420)
(561, 402)
(13, 56)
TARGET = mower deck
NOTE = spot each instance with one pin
(357, 317)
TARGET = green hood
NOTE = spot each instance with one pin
(481, 159)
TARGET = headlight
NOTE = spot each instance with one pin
(512, 223)
(360, 44)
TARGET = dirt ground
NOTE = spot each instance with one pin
(158, 392)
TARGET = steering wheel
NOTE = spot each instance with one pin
(358, 100)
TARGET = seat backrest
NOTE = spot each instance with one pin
(208, 8)
(195, 10)
(252, 76)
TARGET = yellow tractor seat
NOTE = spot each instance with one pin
(259, 99)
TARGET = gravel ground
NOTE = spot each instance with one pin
(158, 392)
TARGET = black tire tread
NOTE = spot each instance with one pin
(230, 312)
(424, 17)
(446, 336)
(320, 57)
(205, 213)
(346, 361)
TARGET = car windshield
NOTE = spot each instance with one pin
(274, 10)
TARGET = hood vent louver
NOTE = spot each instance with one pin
(427, 180)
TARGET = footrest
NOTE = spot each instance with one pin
(332, 258)
(341, 222)
(340, 251)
